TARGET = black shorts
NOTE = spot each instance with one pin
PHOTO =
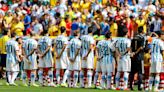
(3, 60)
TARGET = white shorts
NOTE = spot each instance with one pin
(74, 65)
(156, 67)
(108, 64)
(98, 66)
(45, 63)
(12, 67)
(62, 63)
(89, 63)
(11, 63)
(124, 64)
(31, 66)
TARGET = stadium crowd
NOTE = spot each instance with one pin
(90, 42)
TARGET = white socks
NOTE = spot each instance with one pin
(151, 79)
(32, 78)
(117, 79)
(58, 76)
(95, 78)
(75, 78)
(89, 77)
(82, 78)
(50, 74)
(9, 77)
(157, 80)
(14, 76)
(126, 76)
(66, 75)
(24, 76)
(109, 76)
(40, 74)
(103, 78)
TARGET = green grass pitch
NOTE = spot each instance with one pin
(4, 88)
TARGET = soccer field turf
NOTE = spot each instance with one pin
(4, 88)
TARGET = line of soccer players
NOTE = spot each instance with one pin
(77, 57)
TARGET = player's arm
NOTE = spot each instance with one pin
(46, 51)
(62, 50)
(77, 52)
(33, 50)
(38, 50)
(91, 48)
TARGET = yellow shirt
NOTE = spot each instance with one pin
(53, 31)
(75, 5)
(62, 23)
(113, 29)
(85, 5)
(147, 59)
(8, 19)
(141, 23)
(18, 28)
(3, 41)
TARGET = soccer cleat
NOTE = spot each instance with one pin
(14, 84)
(51, 85)
(113, 88)
(156, 90)
(34, 85)
(64, 85)
(117, 88)
(126, 89)
(98, 87)
(7, 84)
(25, 85)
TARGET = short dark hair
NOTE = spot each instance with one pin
(62, 29)
(90, 29)
(125, 30)
(108, 35)
(158, 33)
(76, 33)
(13, 35)
(140, 29)
(5, 32)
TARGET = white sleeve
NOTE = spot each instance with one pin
(162, 45)
(128, 43)
(16, 46)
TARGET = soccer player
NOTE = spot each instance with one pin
(99, 53)
(60, 45)
(87, 57)
(122, 49)
(30, 62)
(138, 44)
(12, 60)
(45, 60)
(108, 62)
(74, 59)
(157, 50)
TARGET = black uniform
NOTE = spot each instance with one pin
(136, 64)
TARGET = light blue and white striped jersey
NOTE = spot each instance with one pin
(87, 41)
(44, 43)
(74, 45)
(122, 44)
(100, 48)
(11, 48)
(60, 41)
(29, 45)
(108, 48)
(157, 46)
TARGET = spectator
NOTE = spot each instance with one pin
(38, 28)
(27, 21)
(3, 41)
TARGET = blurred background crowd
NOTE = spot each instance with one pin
(41, 16)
